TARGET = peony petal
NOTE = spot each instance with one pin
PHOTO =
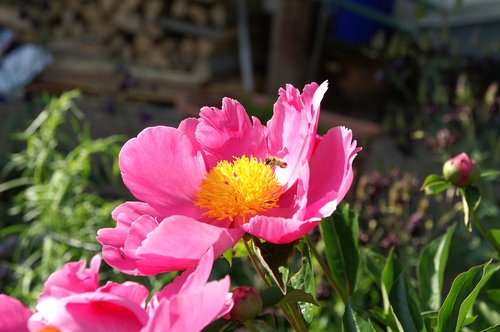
(134, 210)
(128, 290)
(115, 257)
(278, 230)
(73, 278)
(229, 133)
(190, 280)
(162, 168)
(13, 315)
(89, 312)
(195, 310)
(331, 172)
(179, 242)
(292, 129)
(138, 232)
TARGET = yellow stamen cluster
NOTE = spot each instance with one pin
(238, 190)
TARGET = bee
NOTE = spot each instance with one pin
(275, 161)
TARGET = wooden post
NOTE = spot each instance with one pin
(288, 56)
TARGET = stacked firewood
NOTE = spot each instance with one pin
(175, 34)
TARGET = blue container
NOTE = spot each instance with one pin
(356, 29)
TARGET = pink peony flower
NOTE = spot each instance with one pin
(189, 303)
(13, 315)
(73, 301)
(460, 170)
(209, 181)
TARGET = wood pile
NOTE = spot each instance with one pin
(164, 36)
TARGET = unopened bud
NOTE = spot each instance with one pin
(247, 303)
(460, 170)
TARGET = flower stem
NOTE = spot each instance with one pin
(486, 233)
(324, 267)
(295, 322)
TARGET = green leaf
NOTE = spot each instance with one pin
(24, 181)
(267, 319)
(490, 174)
(431, 179)
(462, 295)
(273, 295)
(304, 280)
(436, 187)
(430, 319)
(391, 270)
(496, 235)
(404, 307)
(387, 318)
(470, 201)
(431, 270)
(373, 263)
(340, 234)
(274, 258)
(228, 256)
(493, 328)
(434, 184)
(353, 322)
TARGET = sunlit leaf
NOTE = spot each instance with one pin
(461, 297)
(353, 322)
(431, 270)
(304, 279)
(470, 201)
(274, 258)
(340, 234)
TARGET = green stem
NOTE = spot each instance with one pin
(324, 267)
(486, 233)
(266, 282)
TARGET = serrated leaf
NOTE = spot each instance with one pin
(404, 307)
(304, 279)
(431, 270)
(470, 201)
(353, 322)
(340, 234)
(274, 258)
(461, 297)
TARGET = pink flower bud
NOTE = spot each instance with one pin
(247, 303)
(460, 170)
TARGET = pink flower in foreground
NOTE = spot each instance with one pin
(189, 303)
(13, 315)
(207, 182)
(73, 301)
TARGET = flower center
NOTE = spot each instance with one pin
(238, 190)
(49, 329)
